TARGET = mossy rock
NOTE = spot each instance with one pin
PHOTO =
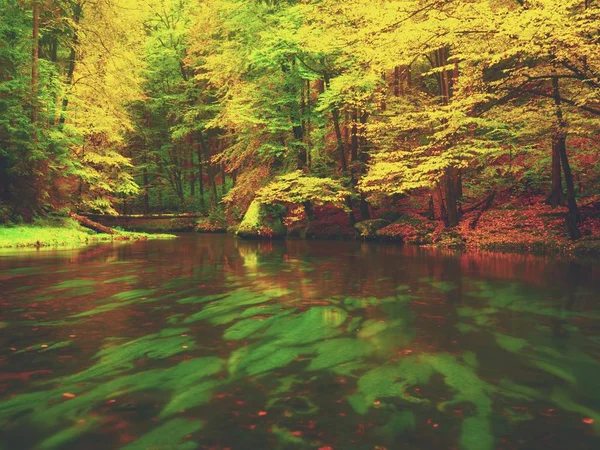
(323, 230)
(261, 221)
(369, 228)
(390, 216)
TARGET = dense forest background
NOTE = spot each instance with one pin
(204, 106)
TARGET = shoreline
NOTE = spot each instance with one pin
(63, 233)
(581, 250)
(537, 231)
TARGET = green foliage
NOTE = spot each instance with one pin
(60, 140)
(138, 104)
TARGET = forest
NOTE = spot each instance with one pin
(268, 156)
(450, 122)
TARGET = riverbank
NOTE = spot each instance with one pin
(511, 226)
(63, 232)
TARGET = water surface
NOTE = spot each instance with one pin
(212, 343)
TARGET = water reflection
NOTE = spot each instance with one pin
(211, 342)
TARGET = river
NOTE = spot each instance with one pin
(210, 342)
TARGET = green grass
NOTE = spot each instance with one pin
(62, 232)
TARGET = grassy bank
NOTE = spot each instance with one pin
(62, 232)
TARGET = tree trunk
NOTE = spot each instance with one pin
(191, 167)
(34, 66)
(451, 179)
(210, 170)
(85, 222)
(223, 181)
(452, 215)
(574, 216)
(308, 126)
(354, 136)
(458, 187)
(339, 139)
(485, 206)
(560, 137)
(200, 171)
(431, 209)
(396, 81)
(364, 208)
(443, 213)
(71, 70)
(351, 217)
(320, 86)
(363, 157)
(299, 134)
(555, 197)
(159, 170)
(338, 132)
(309, 210)
(146, 197)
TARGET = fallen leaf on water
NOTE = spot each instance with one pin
(262, 413)
(588, 420)
(68, 395)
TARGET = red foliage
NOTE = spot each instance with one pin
(412, 228)
(331, 222)
(534, 224)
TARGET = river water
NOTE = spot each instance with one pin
(213, 343)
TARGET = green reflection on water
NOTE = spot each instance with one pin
(401, 358)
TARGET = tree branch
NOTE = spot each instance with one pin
(565, 100)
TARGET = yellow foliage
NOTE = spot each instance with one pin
(297, 188)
